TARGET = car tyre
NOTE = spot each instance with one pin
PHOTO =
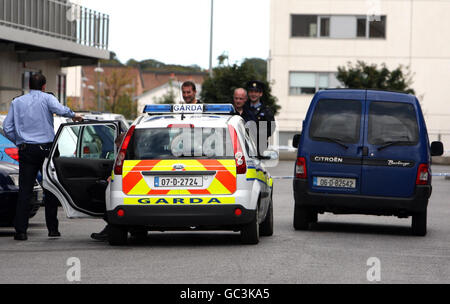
(302, 218)
(117, 235)
(419, 224)
(266, 227)
(250, 232)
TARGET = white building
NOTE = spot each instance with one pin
(309, 39)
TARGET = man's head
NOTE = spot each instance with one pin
(37, 82)
(255, 91)
(239, 98)
(189, 91)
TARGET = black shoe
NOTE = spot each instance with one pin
(20, 237)
(101, 236)
(54, 233)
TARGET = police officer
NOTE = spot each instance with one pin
(240, 98)
(263, 114)
(29, 124)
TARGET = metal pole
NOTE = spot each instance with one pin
(211, 40)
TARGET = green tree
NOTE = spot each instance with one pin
(226, 78)
(364, 76)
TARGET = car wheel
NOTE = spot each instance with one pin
(250, 232)
(266, 227)
(117, 235)
(302, 218)
(419, 224)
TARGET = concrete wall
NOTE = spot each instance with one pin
(415, 37)
(11, 76)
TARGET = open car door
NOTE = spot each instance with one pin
(79, 164)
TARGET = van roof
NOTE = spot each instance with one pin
(377, 95)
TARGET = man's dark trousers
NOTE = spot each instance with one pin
(31, 159)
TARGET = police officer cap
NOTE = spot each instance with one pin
(255, 85)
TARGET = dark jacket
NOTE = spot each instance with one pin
(263, 113)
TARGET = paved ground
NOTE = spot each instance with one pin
(335, 251)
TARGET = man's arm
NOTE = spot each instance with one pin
(8, 125)
(57, 108)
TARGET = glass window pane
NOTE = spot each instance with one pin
(67, 142)
(324, 27)
(343, 27)
(323, 81)
(302, 83)
(377, 29)
(304, 25)
(180, 142)
(361, 27)
(334, 82)
(97, 142)
(389, 121)
(337, 119)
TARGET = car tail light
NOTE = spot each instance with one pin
(300, 168)
(241, 164)
(13, 153)
(123, 152)
(423, 175)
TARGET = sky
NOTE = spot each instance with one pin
(178, 31)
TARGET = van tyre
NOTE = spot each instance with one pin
(419, 224)
(117, 235)
(250, 232)
(302, 217)
(266, 227)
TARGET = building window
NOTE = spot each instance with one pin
(337, 26)
(304, 25)
(62, 88)
(310, 82)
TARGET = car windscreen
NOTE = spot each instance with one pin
(336, 120)
(392, 122)
(180, 142)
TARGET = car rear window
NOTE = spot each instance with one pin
(392, 122)
(180, 142)
(336, 119)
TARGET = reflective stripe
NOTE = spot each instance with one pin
(224, 181)
(254, 174)
(192, 200)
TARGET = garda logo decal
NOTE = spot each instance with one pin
(163, 201)
(187, 108)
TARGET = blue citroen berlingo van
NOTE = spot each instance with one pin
(363, 152)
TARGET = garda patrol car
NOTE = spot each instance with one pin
(178, 167)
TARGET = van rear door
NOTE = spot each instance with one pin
(333, 145)
(393, 145)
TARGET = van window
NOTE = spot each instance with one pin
(337, 119)
(185, 142)
(391, 122)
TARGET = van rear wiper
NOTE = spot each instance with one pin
(335, 140)
(393, 143)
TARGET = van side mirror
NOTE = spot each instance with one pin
(296, 140)
(437, 148)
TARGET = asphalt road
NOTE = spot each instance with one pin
(337, 250)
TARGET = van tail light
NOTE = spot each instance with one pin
(13, 153)
(123, 151)
(241, 164)
(300, 168)
(423, 175)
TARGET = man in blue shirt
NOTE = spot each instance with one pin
(29, 125)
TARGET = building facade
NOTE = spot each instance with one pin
(46, 36)
(310, 39)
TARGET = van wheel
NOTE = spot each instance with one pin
(419, 224)
(302, 217)
(266, 227)
(117, 235)
(250, 232)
